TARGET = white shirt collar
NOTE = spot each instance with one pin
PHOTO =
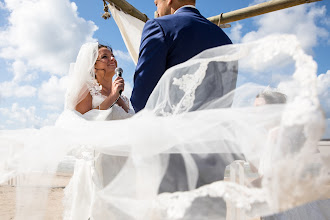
(185, 6)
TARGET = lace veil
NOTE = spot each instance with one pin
(80, 74)
(196, 116)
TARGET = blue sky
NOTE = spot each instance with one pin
(40, 38)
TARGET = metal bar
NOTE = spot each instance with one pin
(256, 10)
(240, 14)
(129, 9)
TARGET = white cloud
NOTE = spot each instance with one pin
(20, 71)
(20, 117)
(52, 92)
(46, 34)
(299, 25)
(236, 33)
(324, 91)
(299, 20)
(50, 119)
(270, 58)
(128, 90)
(326, 21)
(122, 55)
(17, 117)
(12, 89)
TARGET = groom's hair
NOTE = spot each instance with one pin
(190, 1)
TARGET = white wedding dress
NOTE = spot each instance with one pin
(92, 170)
(178, 120)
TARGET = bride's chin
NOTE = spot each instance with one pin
(110, 70)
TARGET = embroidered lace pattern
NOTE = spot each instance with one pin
(95, 90)
(188, 83)
(174, 205)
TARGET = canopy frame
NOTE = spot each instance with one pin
(224, 18)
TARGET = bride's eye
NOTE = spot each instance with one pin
(104, 57)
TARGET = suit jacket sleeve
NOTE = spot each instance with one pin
(151, 64)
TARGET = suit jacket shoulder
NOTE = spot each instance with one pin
(168, 41)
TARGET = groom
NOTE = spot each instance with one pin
(180, 33)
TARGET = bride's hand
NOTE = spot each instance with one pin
(118, 85)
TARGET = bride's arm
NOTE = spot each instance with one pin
(85, 105)
(123, 104)
(109, 101)
(113, 97)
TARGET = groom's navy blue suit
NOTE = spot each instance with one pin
(168, 41)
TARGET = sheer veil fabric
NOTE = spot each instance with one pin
(81, 73)
(184, 116)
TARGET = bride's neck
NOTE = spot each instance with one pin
(106, 85)
(106, 82)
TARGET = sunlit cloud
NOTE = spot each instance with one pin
(12, 89)
(52, 92)
(20, 117)
(40, 37)
(122, 55)
(324, 91)
(236, 32)
(17, 117)
(128, 90)
(21, 72)
(44, 34)
(300, 21)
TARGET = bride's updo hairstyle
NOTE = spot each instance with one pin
(105, 46)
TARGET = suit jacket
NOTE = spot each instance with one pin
(168, 41)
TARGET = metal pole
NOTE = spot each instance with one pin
(129, 9)
(256, 10)
(228, 17)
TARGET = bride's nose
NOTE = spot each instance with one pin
(113, 59)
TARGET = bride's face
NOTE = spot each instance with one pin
(106, 63)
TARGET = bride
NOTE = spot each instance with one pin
(136, 151)
(98, 99)
(91, 84)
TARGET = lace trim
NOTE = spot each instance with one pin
(174, 205)
(84, 152)
(94, 87)
(95, 90)
(189, 83)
